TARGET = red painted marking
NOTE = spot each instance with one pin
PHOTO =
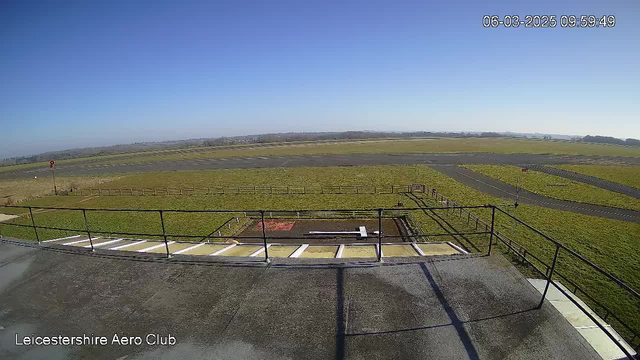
(276, 225)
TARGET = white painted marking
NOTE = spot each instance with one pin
(155, 246)
(259, 251)
(299, 251)
(104, 243)
(418, 250)
(458, 248)
(79, 241)
(340, 250)
(363, 231)
(187, 249)
(223, 250)
(127, 245)
(64, 238)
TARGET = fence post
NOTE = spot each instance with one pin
(379, 235)
(553, 266)
(86, 225)
(493, 216)
(33, 223)
(264, 238)
(164, 233)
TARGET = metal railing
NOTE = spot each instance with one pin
(379, 214)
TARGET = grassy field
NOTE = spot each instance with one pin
(16, 191)
(439, 145)
(541, 183)
(627, 175)
(608, 243)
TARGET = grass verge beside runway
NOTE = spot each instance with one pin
(626, 175)
(556, 186)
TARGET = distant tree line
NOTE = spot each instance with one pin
(611, 140)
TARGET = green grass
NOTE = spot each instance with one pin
(627, 175)
(610, 244)
(436, 145)
(540, 183)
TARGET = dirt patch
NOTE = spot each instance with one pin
(297, 231)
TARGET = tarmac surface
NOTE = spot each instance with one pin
(464, 307)
(86, 168)
(591, 180)
(498, 188)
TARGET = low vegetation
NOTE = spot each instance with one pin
(627, 175)
(556, 186)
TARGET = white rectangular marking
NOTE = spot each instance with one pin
(64, 238)
(104, 243)
(223, 250)
(259, 251)
(418, 250)
(363, 231)
(127, 245)
(299, 251)
(155, 246)
(79, 241)
(187, 249)
(340, 250)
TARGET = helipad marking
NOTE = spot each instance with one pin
(259, 251)
(187, 249)
(299, 251)
(155, 247)
(104, 243)
(340, 250)
(223, 250)
(79, 241)
(64, 238)
(127, 245)
(418, 250)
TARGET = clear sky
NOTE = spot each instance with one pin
(90, 73)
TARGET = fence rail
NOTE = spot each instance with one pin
(252, 190)
(447, 205)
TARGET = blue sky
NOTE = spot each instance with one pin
(90, 73)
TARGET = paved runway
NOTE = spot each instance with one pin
(498, 188)
(314, 160)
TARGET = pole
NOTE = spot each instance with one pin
(55, 189)
(264, 238)
(86, 225)
(493, 216)
(33, 223)
(164, 234)
(379, 235)
(553, 266)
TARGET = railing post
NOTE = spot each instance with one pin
(33, 223)
(553, 266)
(86, 226)
(493, 217)
(164, 233)
(379, 235)
(264, 238)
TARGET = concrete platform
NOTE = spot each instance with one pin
(447, 307)
(595, 336)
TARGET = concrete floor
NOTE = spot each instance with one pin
(463, 307)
